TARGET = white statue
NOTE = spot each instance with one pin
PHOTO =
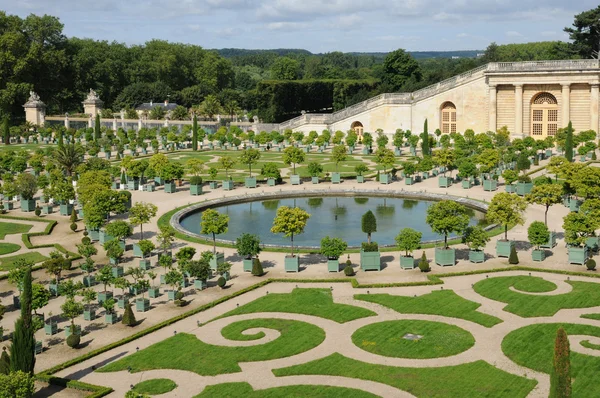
(92, 96)
(33, 97)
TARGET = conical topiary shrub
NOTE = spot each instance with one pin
(590, 264)
(424, 264)
(129, 316)
(348, 270)
(257, 269)
(513, 258)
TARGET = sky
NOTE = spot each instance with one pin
(314, 25)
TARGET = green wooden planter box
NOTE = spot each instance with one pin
(476, 256)
(385, 179)
(490, 185)
(113, 261)
(408, 180)
(271, 182)
(444, 182)
(370, 261)
(200, 285)
(50, 328)
(510, 188)
(53, 288)
(407, 262)
(107, 155)
(523, 188)
(445, 257)
(503, 247)
(89, 315)
(145, 264)
(195, 190)
(137, 252)
(333, 265)
(574, 204)
(66, 209)
(365, 151)
(103, 296)
(142, 305)
(213, 185)
(158, 181)
(551, 241)
(117, 271)
(548, 153)
(336, 178)
(39, 348)
(227, 185)
(8, 205)
(153, 292)
(578, 255)
(314, 180)
(170, 187)
(122, 302)
(110, 318)
(295, 179)
(592, 243)
(89, 281)
(538, 255)
(360, 179)
(292, 264)
(149, 188)
(48, 209)
(103, 237)
(218, 258)
(466, 184)
(68, 331)
(133, 185)
(250, 182)
(247, 265)
(397, 152)
(425, 175)
(27, 205)
(171, 295)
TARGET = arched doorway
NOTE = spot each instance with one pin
(358, 129)
(544, 115)
(448, 121)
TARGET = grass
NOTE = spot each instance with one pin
(7, 248)
(475, 379)
(442, 302)
(534, 285)
(439, 339)
(587, 344)
(533, 347)
(317, 302)
(244, 390)
(583, 295)
(155, 386)
(6, 263)
(13, 228)
(185, 352)
(591, 316)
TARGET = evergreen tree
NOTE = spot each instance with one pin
(97, 133)
(424, 264)
(257, 269)
(195, 133)
(369, 224)
(6, 132)
(569, 143)
(513, 258)
(4, 362)
(425, 140)
(22, 350)
(560, 378)
(129, 316)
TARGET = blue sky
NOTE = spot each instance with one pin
(315, 25)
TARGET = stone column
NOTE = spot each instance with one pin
(114, 124)
(35, 110)
(90, 122)
(67, 122)
(594, 101)
(139, 124)
(492, 108)
(519, 109)
(566, 104)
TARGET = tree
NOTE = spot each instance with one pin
(399, 67)
(114, 250)
(408, 240)
(141, 213)
(195, 133)
(538, 233)
(250, 157)
(214, 223)
(128, 316)
(105, 276)
(17, 385)
(585, 34)
(332, 248)
(226, 163)
(424, 264)
(5, 131)
(68, 157)
(97, 132)
(40, 296)
(314, 169)
(119, 229)
(560, 377)
(475, 237)
(210, 106)
(248, 245)
(385, 157)
(513, 258)
(368, 224)
(569, 142)
(285, 68)
(444, 157)
(447, 216)
(506, 209)
(545, 195)
(290, 221)
(360, 169)
(165, 238)
(22, 350)
(271, 170)
(339, 153)
(293, 156)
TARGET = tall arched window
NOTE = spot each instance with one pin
(358, 128)
(544, 115)
(448, 118)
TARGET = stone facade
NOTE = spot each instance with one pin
(35, 110)
(92, 104)
(510, 94)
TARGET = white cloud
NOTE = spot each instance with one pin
(462, 35)
(513, 33)
(287, 26)
(548, 33)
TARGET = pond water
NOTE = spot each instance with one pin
(334, 216)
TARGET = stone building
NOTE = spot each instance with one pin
(529, 98)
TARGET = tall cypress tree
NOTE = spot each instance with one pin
(97, 128)
(425, 140)
(195, 133)
(6, 132)
(22, 350)
(569, 143)
(560, 378)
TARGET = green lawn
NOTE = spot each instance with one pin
(13, 228)
(7, 248)
(583, 295)
(317, 302)
(439, 339)
(155, 386)
(439, 302)
(534, 285)
(475, 379)
(591, 316)
(533, 347)
(244, 390)
(185, 352)
(587, 344)
(6, 263)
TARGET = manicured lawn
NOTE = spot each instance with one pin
(317, 302)
(185, 352)
(7, 248)
(583, 295)
(591, 316)
(587, 344)
(533, 347)
(533, 285)
(475, 379)
(439, 339)
(244, 390)
(10, 228)
(6, 263)
(442, 302)
(155, 386)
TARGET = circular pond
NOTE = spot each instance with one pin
(336, 216)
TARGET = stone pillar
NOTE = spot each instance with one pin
(519, 109)
(115, 124)
(90, 123)
(92, 104)
(35, 110)
(166, 123)
(492, 108)
(566, 104)
(139, 124)
(594, 101)
(67, 122)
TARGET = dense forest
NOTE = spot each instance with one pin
(273, 84)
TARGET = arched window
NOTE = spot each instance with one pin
(544, 115)
(448, 118)
(358, 128)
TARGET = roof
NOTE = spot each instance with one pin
(148, 106)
